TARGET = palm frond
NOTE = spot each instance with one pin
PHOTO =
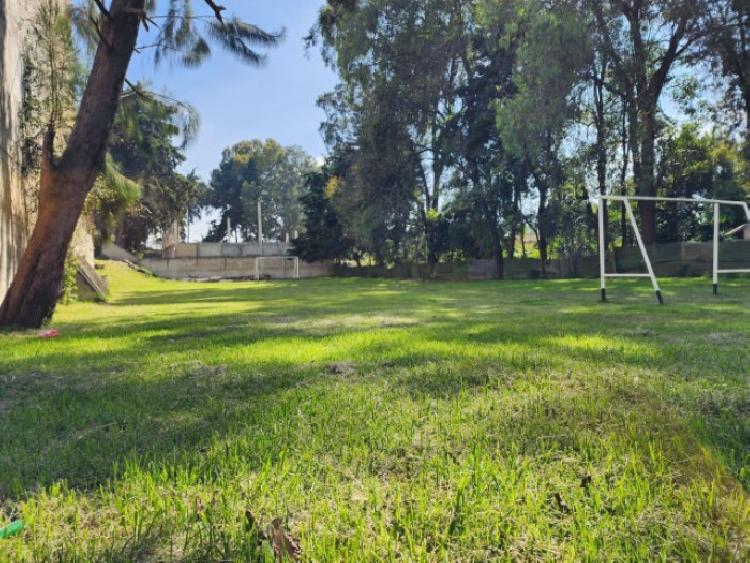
(121, 188)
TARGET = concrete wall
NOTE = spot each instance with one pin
(225, 250)
(18, 193)
(685, 258)
(678, 259)
(15, 211)
(237, 268)
(113, 252)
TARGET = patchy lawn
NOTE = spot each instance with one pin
(381, 419)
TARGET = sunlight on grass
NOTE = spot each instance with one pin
(381, 419)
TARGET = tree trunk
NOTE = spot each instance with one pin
(645, 180)
(65, 182)
(515, 226)
(600, 120)
(36, 285)
(625, 141)
(511, 243)
(541, 219)
(499, 265)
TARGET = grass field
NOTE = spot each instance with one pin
(381, 420)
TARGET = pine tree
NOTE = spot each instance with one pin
(66, 179)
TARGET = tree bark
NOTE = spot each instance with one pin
(645, 180)
(542, 220)
(600, 119)
(625, 141)
(65, 182)
(498, 251)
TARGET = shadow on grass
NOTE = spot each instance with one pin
(163, 388)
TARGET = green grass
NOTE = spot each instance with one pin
(381, 420)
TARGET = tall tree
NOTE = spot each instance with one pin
(553, 57)
(265, 171)
(323, 236)
(66, 179)
(645, 40)
(406, 56)
(489, 172)
(728, 45)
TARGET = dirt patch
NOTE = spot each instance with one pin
(344, 369)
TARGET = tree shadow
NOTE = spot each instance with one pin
(141, 393)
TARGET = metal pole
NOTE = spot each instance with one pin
(257, 268)
(260, 227)
(717, 230)
(646, 259)
(602, 251)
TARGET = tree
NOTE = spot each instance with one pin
(400, 66)
(67, 179)
(692, 164)
(323, 236)
(264, 171)
(490, 191)
(728, 45)
(147, 144)
(553, 57)
(645, 40)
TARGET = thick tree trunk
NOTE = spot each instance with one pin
(36, 285)
(65, 182)
(645, 180)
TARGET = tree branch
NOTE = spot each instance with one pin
(99, 34)
(216, 8)
(137, 90)
(103, 9)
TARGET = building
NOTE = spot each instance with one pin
(18, 186)
(16, 211)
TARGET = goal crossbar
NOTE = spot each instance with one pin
(626, 201)
(259, 260)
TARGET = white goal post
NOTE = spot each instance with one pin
(625, 200)
(259, 260)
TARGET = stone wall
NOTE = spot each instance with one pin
(16, 216)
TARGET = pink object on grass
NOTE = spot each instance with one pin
(52, 333)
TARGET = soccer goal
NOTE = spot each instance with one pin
(626, 201)
(282, 267)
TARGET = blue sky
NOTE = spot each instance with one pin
(238, 102)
